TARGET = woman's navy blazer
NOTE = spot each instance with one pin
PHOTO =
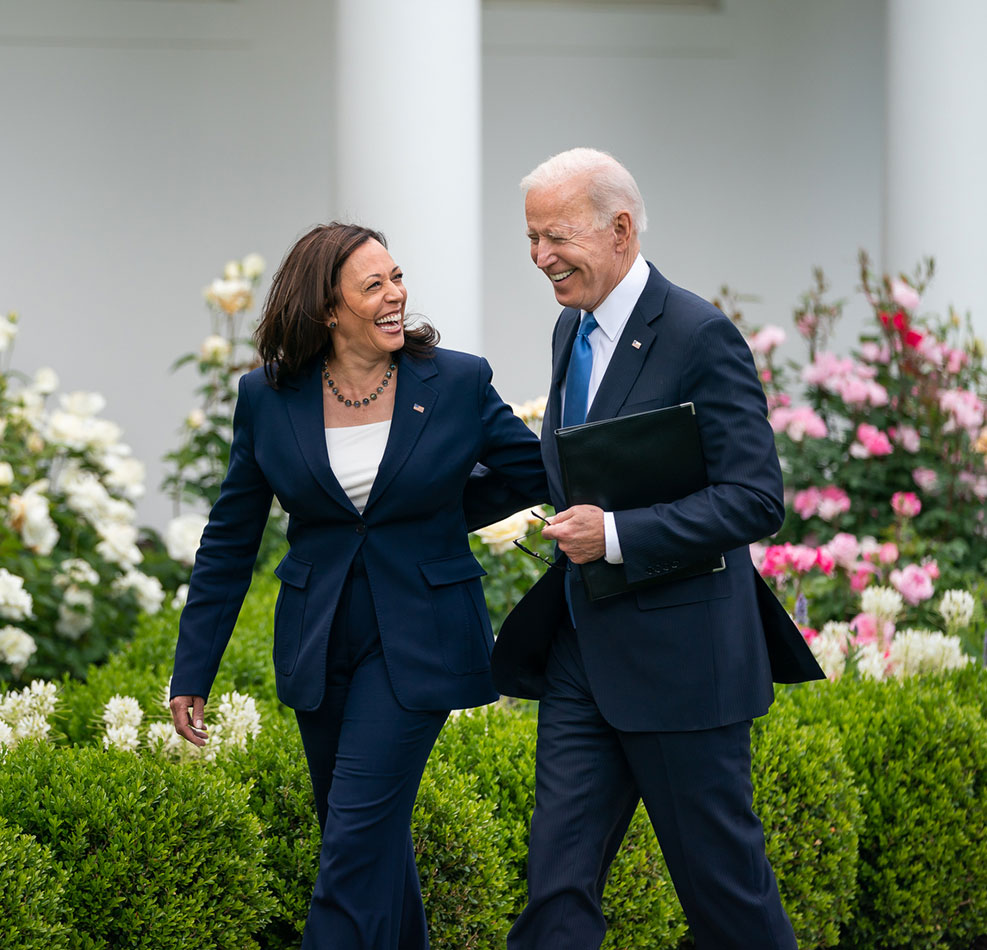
(434, 627)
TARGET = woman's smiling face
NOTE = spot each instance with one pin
(372, 298)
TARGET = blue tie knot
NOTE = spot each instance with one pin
(588, 325)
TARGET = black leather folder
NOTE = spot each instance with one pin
(634, 461)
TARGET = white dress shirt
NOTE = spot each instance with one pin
(611, 317)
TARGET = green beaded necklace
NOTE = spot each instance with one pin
(356, 403)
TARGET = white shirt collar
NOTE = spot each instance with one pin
(612, 314)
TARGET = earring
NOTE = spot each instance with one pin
(332, 324)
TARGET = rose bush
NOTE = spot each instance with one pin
(76, 568)
(890, 440)
(195, 470)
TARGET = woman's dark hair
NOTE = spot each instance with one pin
(305, 288)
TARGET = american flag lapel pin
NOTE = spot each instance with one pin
(418, 408)
(636, 344)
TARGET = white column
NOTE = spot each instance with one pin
(936, 197)
(408, 148)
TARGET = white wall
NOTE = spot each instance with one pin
(145, 142)
(755, 134)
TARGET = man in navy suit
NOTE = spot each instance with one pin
(649, 694)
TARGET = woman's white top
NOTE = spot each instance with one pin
(354, 456)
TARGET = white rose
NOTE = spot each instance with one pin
(68, 429)
(178, 601)
(8, 330)
(182, 537)
(82, 403)
(215, 349)
(30, 407)
(6, 474)
(196, 419)
(119, 544)
(15, 602)
(230, 296)
(148, 590)
(499, 537)
(16, 648)
(253, 266)
(125, 473)
(28, 514)
(74, 570)
(85, 493)
(103, 434)
(45, 381)
(232, 270)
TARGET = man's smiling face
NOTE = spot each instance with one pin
(583, 262)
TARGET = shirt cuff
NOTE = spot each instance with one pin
(613, 555)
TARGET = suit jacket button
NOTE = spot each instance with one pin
(361, 529)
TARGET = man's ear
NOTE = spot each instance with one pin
(623, 230)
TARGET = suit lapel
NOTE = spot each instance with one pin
(305, 411)
(631, 351)
(565, 335)
(413, 404)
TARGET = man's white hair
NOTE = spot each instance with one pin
(611, 187)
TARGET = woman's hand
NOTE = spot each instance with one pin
(187, 712)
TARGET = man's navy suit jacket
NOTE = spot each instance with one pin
(684, 654)
(434, 627)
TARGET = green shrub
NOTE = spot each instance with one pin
(273, 766)
(496, 746)
(458, 844)
(31, 886)
(639, 902)
(922, 757)
(805, 795)
(143, 667)
(156, 854)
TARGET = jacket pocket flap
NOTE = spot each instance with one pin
(293, 571)
(451, 570)
(689, 590)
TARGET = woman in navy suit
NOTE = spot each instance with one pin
(367, 433)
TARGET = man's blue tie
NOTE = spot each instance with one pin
(577, 375)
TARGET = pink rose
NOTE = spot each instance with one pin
(801, 557)
(913, 583)
(871, 442)
(888, 553)
(907, 437)
(843, 549)
(865, 628)
(774, 562)
(861, 576)
(955, 361)
(825, 561)
(904, 295)
(766, 339)
(926, 479)
(932, 569)
(875, 352)
(798, 423)
(833, 502)
(806, 502)
(905, 504)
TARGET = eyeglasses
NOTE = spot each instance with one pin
(541, 557)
